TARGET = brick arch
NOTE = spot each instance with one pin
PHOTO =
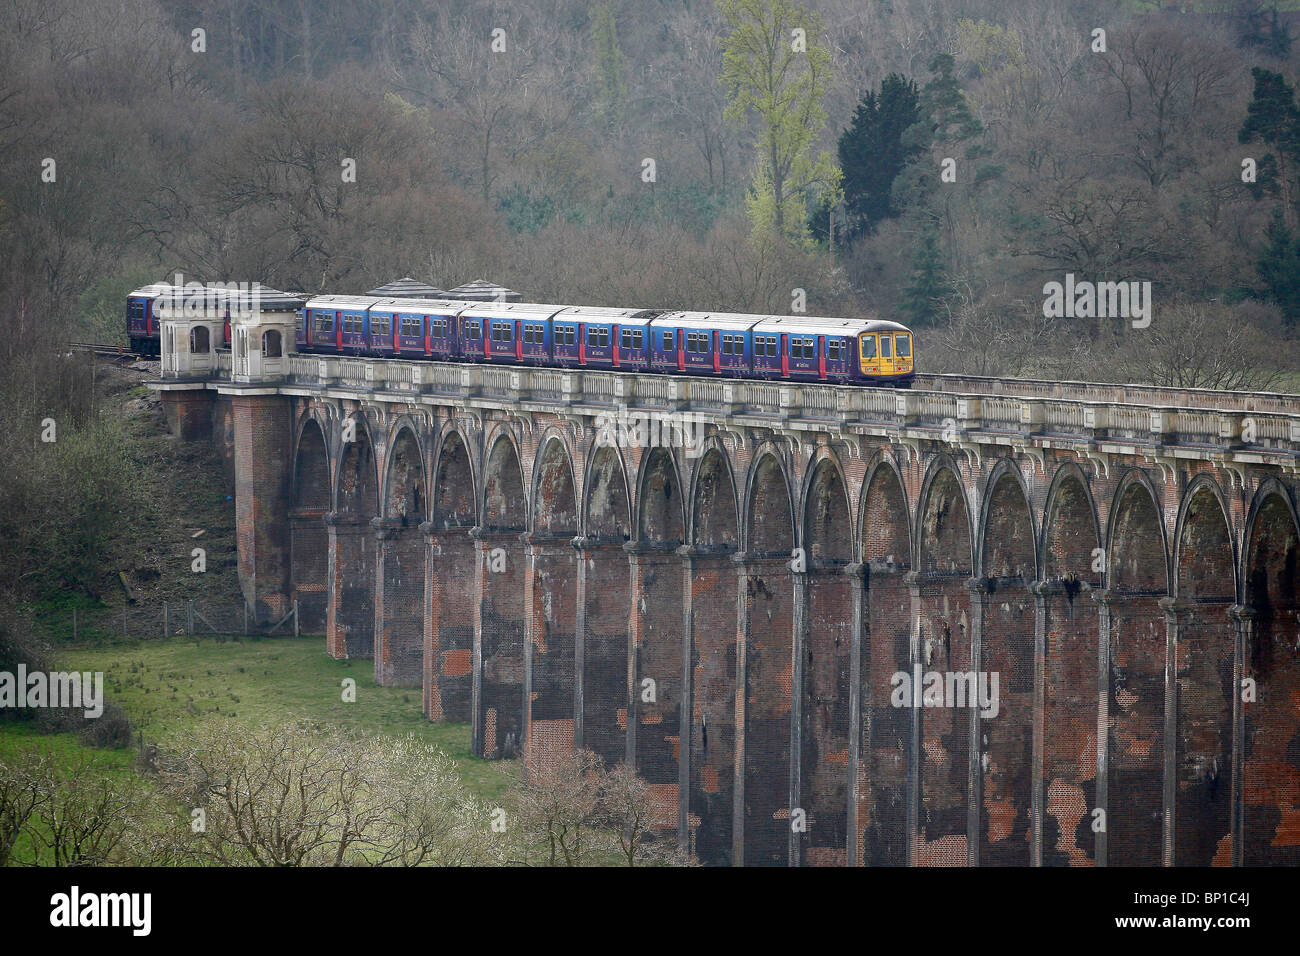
(886, 548)
(311, 464)
(943, 536)
(769, 516)
(505, 504)
(1206, 587)
(827, 526)
(1205, 558)
(660, 508)
(406, 487)
(1069, 537)
(1271, 769)
(1070, 532)
(769, 619)
(715, 518)
(356, 485)
(555, 499)
(308, 536)
(885, 524)
(826, 696)
(1271, 532)
(1007, 537)
(1137, 577)
(711, 592)
(606, 509)
(1007, 552)
(454, 498)
(1136, 550)
(351, 622)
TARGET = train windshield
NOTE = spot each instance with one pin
(868, 346)
(904, 344)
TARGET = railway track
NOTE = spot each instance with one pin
(101, 349)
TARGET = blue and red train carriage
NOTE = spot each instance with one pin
(726, 345)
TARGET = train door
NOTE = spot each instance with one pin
(821, 356)
(886, 354)
(397, 340)
(679, 337)
(519, 341)
(582, 343)
(717, 356)
(428, 334)
(306, 328)
(613, 352)
(785, 355)
(338, 331)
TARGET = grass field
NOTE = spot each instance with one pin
(168, 686)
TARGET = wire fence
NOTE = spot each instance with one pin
(168, 619)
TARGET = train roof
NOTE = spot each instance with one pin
(421, 306)
(510, 310)
(351, 303)
(599, 313)
(822, 325)
(715, 320)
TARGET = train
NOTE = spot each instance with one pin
(726, 345)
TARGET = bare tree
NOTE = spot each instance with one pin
(298, 795)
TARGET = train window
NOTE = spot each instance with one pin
(669, 343)
(598, 337)
(564, 335)
(884, 346)
(697, 342)
(868, 346)
(904, 346)
(381, 324)
(834, 350)
(324, 322)
(726, 345)
(631, 339)
(438, 328)
(495, 332)
(473, 330)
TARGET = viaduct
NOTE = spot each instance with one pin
(727, 613)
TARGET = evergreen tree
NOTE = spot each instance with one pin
(922, 301)
(945, 123)
(1279, 268)
(1273, 119)
(872, 153)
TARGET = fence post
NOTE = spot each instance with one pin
(295, 617)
